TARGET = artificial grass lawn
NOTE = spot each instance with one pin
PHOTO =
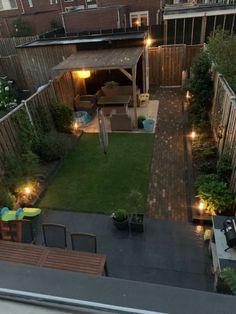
(90, 181)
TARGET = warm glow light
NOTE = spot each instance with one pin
(201, 206)
(149, 41)
(193, 134)
(76, 126)
(27, 190)
(84, 74)
(188, 95)
(138, 23)
(199, 229)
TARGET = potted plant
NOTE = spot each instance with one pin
(111, 84)
(136, 203)
(120, 219)
(140, 121)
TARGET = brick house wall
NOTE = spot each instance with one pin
(152, 6)
(109, 14)
(40, 15)
(94, 19)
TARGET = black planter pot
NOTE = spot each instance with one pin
(136, 222)
(121, 225)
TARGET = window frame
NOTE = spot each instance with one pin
(138, 14)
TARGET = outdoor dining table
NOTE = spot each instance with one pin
(63, 259)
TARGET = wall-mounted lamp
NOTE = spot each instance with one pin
(83, 74)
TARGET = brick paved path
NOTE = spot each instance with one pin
(167, 190)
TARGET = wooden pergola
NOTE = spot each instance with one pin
(123, 59)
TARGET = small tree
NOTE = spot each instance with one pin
(200, 83)
(222, 50)
(21, 28)
(62, 116)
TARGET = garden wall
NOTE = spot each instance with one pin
(8, 45)
(169, 65)
(37, 108)
(33, 107)
(223, 117)
(10, 65)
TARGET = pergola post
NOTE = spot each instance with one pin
(134, 87)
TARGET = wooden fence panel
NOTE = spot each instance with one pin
(8, 45)
(172, 64)
(224, 122)
(167, 63)
(10, 66)
(64, 88)
(154, 66)
(39, 110)
(38, 62)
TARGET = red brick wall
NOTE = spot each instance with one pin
(96, 19)
(36, 21)
(135, 5)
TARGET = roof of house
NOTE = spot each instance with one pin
(101, 59)
(86, 40)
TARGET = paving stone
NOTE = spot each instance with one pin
(168, 159)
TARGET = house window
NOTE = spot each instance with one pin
(8, 4)
(13, 4)
(69, 0)
(139, 19)
(53, 1)
(30, 3)
(91, 3)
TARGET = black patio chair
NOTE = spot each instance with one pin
(28, 235)
(54, 235)
(85, 242)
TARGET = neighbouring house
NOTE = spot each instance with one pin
(112, 14)
(191, 24)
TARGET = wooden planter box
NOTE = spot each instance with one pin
(136, 222)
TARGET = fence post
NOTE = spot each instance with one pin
(29, 116)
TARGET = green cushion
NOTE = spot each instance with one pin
(31, 212)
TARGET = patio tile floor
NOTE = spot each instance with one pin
(168, 252)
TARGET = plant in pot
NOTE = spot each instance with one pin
(136, 204)
(120, 219)
(140, 121)
(111, 84)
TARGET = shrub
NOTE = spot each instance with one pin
(229, 276)
(135, 200)
(49, 147)
(62, 116)
(213, 193)
(120, 215)
(19, 171)
(200, 83)
(205, 155)
(21, 28)
(7, 95)
(224, 168)
(140, 121)
(7, 199)
(222, 50)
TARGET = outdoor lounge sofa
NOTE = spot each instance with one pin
(85, 103)
(120, 121)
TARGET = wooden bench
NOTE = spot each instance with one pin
(35, 255)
